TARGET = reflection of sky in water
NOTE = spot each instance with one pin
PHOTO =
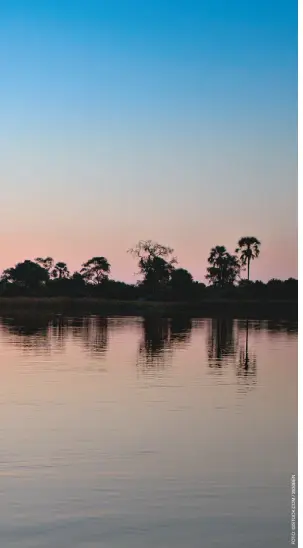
(126, 432)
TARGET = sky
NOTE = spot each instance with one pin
(170, 120)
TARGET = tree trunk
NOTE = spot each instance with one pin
(248, 268)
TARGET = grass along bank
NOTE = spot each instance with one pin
(211, 308)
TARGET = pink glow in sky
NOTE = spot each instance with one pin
(119, 129)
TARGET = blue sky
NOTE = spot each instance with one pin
(172, 120)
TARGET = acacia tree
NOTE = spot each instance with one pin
(96, 270)
(248, 247)
(155, 261)
(224, 268)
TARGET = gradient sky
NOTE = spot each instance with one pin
(172, 120)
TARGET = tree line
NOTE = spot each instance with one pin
(160, 277)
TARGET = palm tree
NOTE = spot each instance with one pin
(248, 247)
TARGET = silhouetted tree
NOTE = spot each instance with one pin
(157, 272)
(162, 280)
(224, 269)
(147, 248)
(96, 270)
(60, 271)
(155, 262)
(248, 247)
(46, 263)
(27, 274)
(181, 279)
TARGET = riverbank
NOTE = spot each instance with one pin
(206, 308)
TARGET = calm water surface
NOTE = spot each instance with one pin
(132, 433)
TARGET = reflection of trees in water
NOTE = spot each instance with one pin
(228, 340)
(29, 332)
(75, 326)
(246, 365)
(273, 326)
(289, 327)
(91, 332)
(154, 344)
(180, 330)
(226, 346)
(40, 334)
(160, 337)
(94, 334)
(222, 343)
(44, 334)
(58, 332)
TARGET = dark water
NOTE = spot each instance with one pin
(132, 433)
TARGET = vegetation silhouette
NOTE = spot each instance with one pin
(161, 279)
(60, 271)
(156, 264)
(224, 269)
(248, 247)
(27, 275)
(95, 270)
(47, 263)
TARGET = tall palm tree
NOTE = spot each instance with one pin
(248, 247)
